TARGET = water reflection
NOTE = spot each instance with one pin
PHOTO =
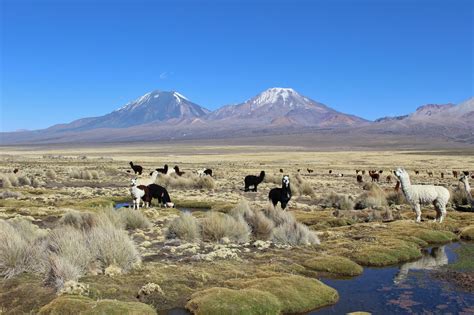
(432, 259)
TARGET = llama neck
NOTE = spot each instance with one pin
(467, 187)
(406, 184)
(153, 177)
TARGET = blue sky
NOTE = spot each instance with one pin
(63, 60)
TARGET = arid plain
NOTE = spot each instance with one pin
(230, 247)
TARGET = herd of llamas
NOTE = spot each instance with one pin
(145, 189)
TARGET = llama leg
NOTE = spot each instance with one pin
(418, 212)
(443, 212)
(437, 207)
(246, 188)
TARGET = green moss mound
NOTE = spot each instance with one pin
(385, 255)
(296, 294)
(334, 264)
(468, 233)
(435, 237)
(72, 305)
(217, 301)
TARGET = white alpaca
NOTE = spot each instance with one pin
(147, 181)
(200, 172)
(137, 194)
(435, 259)
(417, 195)
(467, 187)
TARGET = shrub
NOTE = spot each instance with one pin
(216, 226)
(184, 227)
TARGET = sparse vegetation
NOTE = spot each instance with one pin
(215, 226)
(184, 227)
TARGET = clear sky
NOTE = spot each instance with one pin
(63, 60)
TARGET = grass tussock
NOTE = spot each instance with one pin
(83, 174)
(287, 230)
(187, 181)
(215, 226)
(300, 187)
(184, 227)
(51, 174)
(260, 225)
(459, 197)
(396, 198)
(341, 202)
(80, 242)
(10, 194)
(374, 197)
(17, 251)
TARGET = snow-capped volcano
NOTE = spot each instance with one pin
(153, 107)
(278, 105)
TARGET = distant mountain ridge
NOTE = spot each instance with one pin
(153, 107)
(166, 115)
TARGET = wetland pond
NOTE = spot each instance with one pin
(424, 286)
(416, 287)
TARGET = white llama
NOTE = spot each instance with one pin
(417, 195)
(464, 179)
(138, 192)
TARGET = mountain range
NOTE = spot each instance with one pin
(163, 115)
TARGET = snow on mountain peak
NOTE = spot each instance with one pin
(273, 95)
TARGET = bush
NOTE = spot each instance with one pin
(184, 227)
(216, 226)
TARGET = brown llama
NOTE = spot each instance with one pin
(374, 175)
(430, 173)
(455, 174)
(359, 179)
(389, 179)
(417, 172)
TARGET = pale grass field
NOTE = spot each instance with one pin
(58, 192)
